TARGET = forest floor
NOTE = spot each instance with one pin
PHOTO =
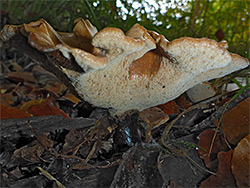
(49, 138)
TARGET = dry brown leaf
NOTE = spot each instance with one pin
(22, 77)
(6, 99)
(72, 98)
(44, 140)
(224, 177)
(241, 162)
(82, 166)
(44, 109)
(154, 117)
(31, 152)
(205, 141)
(184, 103)
(73, 139)
(170, 107)
(236, 122)
(7, 112)
(56, 87)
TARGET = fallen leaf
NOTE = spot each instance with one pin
(152, 117)
(44, 140)
(72, 98)
(72, 140)
(170, 107)
(17, 173)
(241, 162)
(56, 87)
(27, 105)
(205, 141)
(236, 122)
(82, 166)
(44, 109)
(184, 103)
(21, 77)
(6, 99)
(8, 112)
(201, 92)
(30, 153)
(15, 67)
(224, 176)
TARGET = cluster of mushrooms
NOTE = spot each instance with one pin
(110, 69)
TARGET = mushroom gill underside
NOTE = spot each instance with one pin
(110, 69)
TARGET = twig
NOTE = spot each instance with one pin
(212, 142)
(199, 165)
(50, 177)
(180, 152)
(91, 152)
(198, 105)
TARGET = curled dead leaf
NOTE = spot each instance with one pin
(224, 177)
(241, 162)
(236, 122)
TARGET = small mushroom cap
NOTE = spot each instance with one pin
(69, 39)
(9, 31)
(83, 28)
(85, 60)
(223, 44)
(41, 35)
(84, 31)
(116, 43)
(113, 38)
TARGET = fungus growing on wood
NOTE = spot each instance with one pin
(136, 70)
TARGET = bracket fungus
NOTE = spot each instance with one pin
(111, 69)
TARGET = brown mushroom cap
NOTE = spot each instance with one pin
(41, 35)
(84, 31)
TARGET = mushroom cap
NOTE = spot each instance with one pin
(41, 35)
(116, 44)
(117, 86)
(136, 70)
(84, 31)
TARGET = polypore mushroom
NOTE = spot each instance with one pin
(136, 70)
